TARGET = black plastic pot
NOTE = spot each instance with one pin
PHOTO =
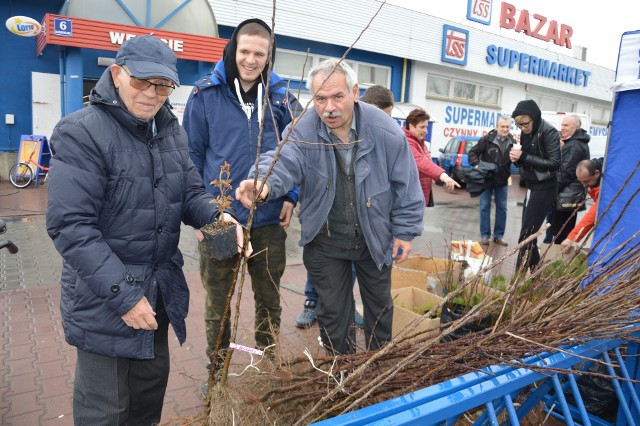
(454, 311)
(222, 243)
(598, 394)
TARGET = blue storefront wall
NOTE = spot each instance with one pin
(19, 60)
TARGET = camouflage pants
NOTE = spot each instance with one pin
(265, 269)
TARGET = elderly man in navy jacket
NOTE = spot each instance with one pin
(360, 202)
(121, 181)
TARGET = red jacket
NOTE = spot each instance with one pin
(427, 169)
(586, 223)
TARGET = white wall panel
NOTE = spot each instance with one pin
(403, 33)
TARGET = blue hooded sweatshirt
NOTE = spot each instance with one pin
(224, 125)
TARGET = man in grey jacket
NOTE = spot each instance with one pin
(360, 202)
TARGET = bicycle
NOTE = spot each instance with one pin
(23, 173)
(8, 244)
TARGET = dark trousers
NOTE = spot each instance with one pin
(330, 270)
(310, 291)
(558, 221)
(121, 391)
(536, 206)
(266, 267)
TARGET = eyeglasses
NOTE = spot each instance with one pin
(140, 84)
(521, 125)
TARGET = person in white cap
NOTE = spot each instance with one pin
(121, 182)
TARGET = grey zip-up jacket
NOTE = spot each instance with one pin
(389, 198)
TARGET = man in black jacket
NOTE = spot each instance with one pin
(539, 161)
(494, 148)
(574, 149)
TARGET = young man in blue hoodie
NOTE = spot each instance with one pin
(223, 118)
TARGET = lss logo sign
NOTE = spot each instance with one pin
(455, 45)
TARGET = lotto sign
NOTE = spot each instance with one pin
(23, 26)
(479, 11)
(455, 45)
(62, 27)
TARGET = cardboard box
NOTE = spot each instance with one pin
(398, 283)
(426, 273)
(557, 251)
(406, 302)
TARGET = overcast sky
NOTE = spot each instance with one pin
(597, 26)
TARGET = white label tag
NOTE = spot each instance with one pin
(246, 349)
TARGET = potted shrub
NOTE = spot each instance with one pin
(461, 304)
(219, 236)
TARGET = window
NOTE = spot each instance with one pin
(291, 64)
(437, 86)
(463, 91)
(535, 98)
(548, 103)
(452, 145)
(600, 115)
(468, 145)
(368, 74)
(566, 106)
(371, 75)
(348, 62)
(489, 95)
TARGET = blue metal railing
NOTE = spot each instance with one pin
(490, 393)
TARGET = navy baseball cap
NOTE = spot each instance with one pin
(148, 56)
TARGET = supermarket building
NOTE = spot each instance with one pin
(464, 75)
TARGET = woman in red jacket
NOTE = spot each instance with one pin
(416, 131)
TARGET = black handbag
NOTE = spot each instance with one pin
(542, 175)
(571, 197)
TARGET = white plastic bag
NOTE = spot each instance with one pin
(466, 252)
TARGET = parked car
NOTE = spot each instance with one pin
(454, 157)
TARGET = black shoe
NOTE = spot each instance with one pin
(500, 242)
(217, 373)
(220, 363)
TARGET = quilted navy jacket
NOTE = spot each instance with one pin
(117, 196)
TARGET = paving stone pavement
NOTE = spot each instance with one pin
(37, 366)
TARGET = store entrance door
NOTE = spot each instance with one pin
(45, 102)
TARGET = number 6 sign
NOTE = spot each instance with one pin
(62, 27)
